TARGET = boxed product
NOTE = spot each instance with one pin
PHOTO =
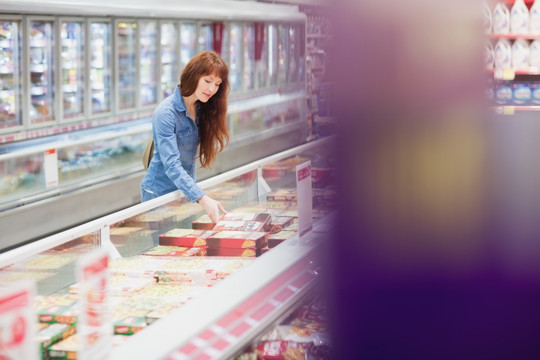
(278, 223)
(277, 238)
(121, 285)
(51, 334)
(129, 325)
(282, 195)
(65, 349)
(64, 314)
(185, 237)
(162, 250)
(237, 239)
(122, 235)
(234, 221)
(203, 223)
(152, 221)
(244, 222)
(249, 252)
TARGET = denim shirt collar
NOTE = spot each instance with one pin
(180, 105)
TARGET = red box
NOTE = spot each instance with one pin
(278, 223)
(282, 195)
(233, 252)
(185, 237)
(237, 239)
(276, 239)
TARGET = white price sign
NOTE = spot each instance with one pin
(94, 326)
(17, 322)
(304, 197)
(50, 166)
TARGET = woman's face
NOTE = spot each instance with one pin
(206, 88)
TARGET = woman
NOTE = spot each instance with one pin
(194, 115)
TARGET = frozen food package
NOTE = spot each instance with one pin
(238, 239)
(185, 237)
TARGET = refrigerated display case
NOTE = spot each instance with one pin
(188, 44)
(148, 56)
(100, 54)
(126, 47)
(227, 301)
(42, 59)
(72, 34)
(169, 57)
(10, 74)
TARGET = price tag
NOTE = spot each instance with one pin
(94, 325)
(50, 167)
(504, 74)
(508, 110)
(304, 197)
(17, 322)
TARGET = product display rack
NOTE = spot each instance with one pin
(513, 89)
(225, 318)
(318, 38)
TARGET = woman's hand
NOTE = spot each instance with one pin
(212, 208)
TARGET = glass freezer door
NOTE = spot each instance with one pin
(206, 37)
(127, 64)
(100, 67)
(148, 62)
(72, 65)
(10, 74)
(249, 56)
(42, 58)
(235, 56)
(188, 44)
(169, 58)
(283, 54)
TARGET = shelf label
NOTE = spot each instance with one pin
(94, 323)
(304, 197)
(504, 74)
(50, 167)
(17, 322)
(508, 110)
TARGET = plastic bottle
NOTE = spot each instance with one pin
(520, 54)
(501, 19)
(534, 54)
(488, 18)
(519, 18)
(503, 54)
(489, 56)
(534, 18)
(521, 94)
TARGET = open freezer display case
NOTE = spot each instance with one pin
(180, 286)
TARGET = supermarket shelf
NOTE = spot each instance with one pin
(511, 109)
(514, 36)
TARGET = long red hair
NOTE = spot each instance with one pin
(213, 133)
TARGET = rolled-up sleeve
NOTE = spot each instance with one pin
(165, 137)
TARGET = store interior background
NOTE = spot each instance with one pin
(436, 251)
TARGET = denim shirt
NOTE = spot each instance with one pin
(176, 138)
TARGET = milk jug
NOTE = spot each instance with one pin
(488, 18)
(520, 54)
(501, 19)
(534, 53)
(534, 18)
(503, 54)
(519, 18)
(489, 56)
